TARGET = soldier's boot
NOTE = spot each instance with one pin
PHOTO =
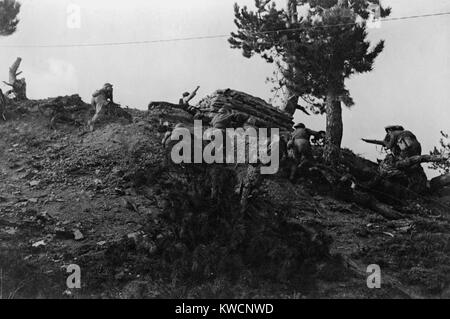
(99, 110)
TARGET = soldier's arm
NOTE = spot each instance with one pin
(192, 95)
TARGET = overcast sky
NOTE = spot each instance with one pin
(410, 84)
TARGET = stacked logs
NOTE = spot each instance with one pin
(262, 114)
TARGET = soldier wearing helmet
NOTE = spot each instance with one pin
(100, 99)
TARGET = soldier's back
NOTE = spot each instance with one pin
(301, 134)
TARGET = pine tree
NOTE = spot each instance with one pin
(9, 10)
(315, 52)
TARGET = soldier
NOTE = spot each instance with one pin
(299, 148)
(400, 142)
(397, 180)
(390, 141)
(300, 143)
(187, 97)
(393, 178)
(100, 99)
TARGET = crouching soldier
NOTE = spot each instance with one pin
(100, 99)
(401, 143)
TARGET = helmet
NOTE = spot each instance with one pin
(300, 125)
(394, 128)
(224, 110)
(107, 85)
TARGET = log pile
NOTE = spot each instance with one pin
(262, 113)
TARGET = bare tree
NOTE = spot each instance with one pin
(19, 86)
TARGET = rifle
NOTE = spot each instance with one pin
(376, 142)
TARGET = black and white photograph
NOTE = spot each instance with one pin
(224, 154)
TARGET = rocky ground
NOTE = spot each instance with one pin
(101, 200)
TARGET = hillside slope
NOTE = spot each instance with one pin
(108, 202)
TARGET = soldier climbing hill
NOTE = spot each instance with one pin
(299, 147)
(300, 142)
(100, 99)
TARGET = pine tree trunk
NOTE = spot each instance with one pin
(334, 131)
(290, 103)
